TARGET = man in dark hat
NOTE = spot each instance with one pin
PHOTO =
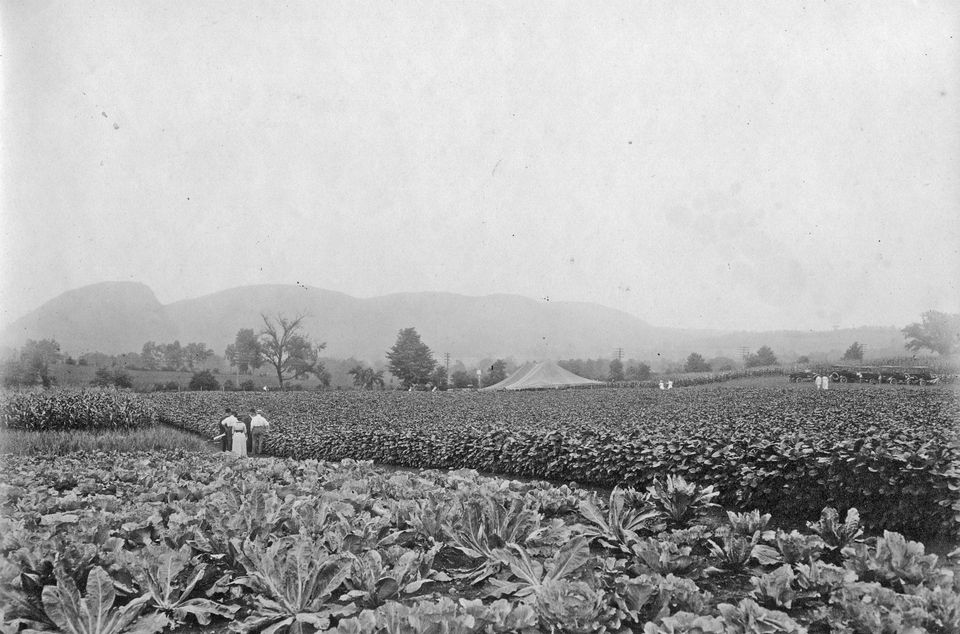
(226, 440)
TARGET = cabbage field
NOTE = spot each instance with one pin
(725, 509)
(146, 542)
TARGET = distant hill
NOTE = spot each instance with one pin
(110, 317)
(116, 317)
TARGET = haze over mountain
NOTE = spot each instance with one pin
(117, 317)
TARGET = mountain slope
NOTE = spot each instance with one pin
(116, 317)
(108, 317)
(466, 327)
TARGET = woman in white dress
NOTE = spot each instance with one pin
(239, 438)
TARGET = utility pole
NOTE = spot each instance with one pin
(744, 351)
(446, 357)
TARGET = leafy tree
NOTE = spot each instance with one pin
(172, 356)
(720, 364)
(439, 377)
(151, 356)
(462, 379)
(44, 351)
(803, 359)
(106, 378)
(195, 354)
(122, 380)
(204, 380)
(939, 332)
(854, 352)
(497, 373)
(33, 365)
(291, 353)
(638, 372)
(616, 371)
(763, 356)
(102, 378)
(322, 374)
(410, 360)
(696, 363)
(366, 378)
(245, 353)
(596, 369)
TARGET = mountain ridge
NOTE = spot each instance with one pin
(117, 317)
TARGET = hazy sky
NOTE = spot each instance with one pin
(696, 164)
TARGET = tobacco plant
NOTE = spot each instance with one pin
(775, 587)
(818, 578)
(735, 551)
(372, 580)
(869, 607)
(664, 557)
(680, 502)
(627, 515)
(294, 580)
(169, 579)
(894, 562)
(794, 547)
(746, 524)
(686, 623)
(531, 575)
(836, 534)
(487, 526)
(444, 616)
(95, 613)
(572, 606)
(749, 618)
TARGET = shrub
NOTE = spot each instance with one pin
(122, 380)
(204, 380)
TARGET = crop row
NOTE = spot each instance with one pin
(787, 451)
(59, 410)
(149, 541)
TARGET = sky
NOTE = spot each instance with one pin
(728, 165)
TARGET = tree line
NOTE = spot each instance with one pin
(281, 345)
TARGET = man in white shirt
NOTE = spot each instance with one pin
(259, 426)
(226, 428)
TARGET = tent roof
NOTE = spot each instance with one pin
(542, 375)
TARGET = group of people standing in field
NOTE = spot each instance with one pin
(243, 435)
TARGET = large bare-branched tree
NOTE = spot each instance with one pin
(290, 352)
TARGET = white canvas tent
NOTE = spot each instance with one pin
(540, 376)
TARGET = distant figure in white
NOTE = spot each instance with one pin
(669, 385)
(819, 381)
(239, 438)
(826, 381)
(662, 387)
